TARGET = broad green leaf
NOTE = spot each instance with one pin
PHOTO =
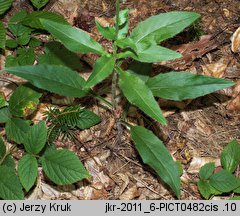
(230, 156)
(5, 5)
(224, 181)
(33, 19)
(27, 171)
(87, 119)
(5, 115)
(10, 186)
(63, 167)
(142, 70)
(34, 42)
(36, 138)
(57, 79)
(57, 54)
(107, 32)
(2, 36)
(39, 3)
(155, 53)
(25, 56)
(155, 154)
(206, 171)
(24, 101)
(204, 188)
(16, 129)
(11, 44)
(102, 69)
(184, 85)
(2, 148)
(72, 38)
(163, 26)
(138, 93)
(18, 17)
(9, 162)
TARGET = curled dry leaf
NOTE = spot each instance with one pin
(235, 46)
(130, 194)
(125, 182)
(198, 162)
(216, 69)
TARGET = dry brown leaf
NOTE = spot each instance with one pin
(198, 162)
(125, 182)
(235, 46)
(130, 194)
(215, 69)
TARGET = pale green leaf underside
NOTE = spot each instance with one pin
(28, 171)
(102, 69)
(154, 153)
(74, 39)
(184, 85)
(23, 101)
(160, 27)
(57, 79)
(63, 167)
(137, 92)
(10, 187)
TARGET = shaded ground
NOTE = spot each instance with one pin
(197, 130)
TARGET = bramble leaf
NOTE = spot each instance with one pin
(206, 171)
(27, 171)
(87, 119)
(2, 36)
(10, 187)
(39, 3)
(63, 167)
(230, 156)
(224, 181)
(5, 115)
(5, 5)
(36, 138)
(16, 129)
(23, 102)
